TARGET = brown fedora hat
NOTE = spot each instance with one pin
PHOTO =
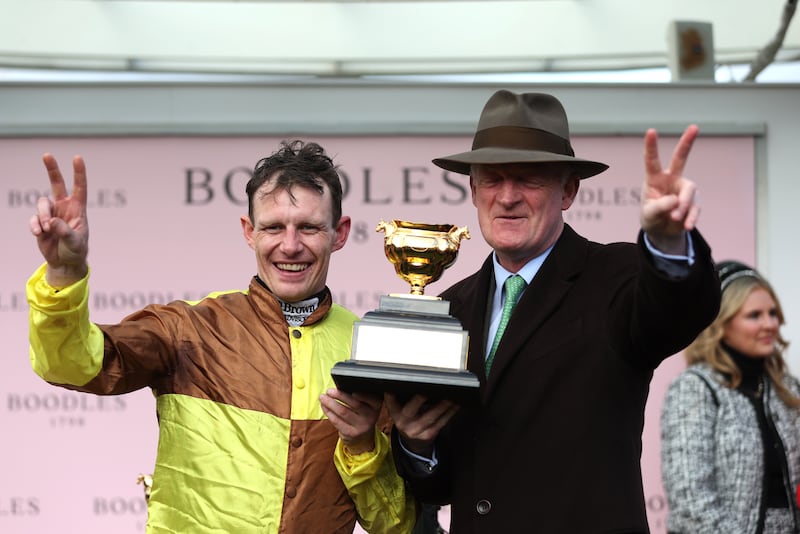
(521, 128)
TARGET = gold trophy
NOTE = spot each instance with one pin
(411, 344)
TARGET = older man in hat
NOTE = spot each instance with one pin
(555, 443)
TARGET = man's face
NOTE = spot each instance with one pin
(293, 239)
(519, 207)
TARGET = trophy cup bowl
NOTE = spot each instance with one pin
(411, 344)
(421, 252)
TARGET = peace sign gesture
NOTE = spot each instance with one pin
(669, 207)
(60, 225)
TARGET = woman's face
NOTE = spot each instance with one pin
(754, 329)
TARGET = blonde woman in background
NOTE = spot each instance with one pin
(730, 425)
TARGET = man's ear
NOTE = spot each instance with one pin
(247, 231)
(342, 231)
(472, 188)
(571, 187)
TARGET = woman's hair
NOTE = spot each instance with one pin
(707, 347)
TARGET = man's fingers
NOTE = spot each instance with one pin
(437, 415)
(658, 207)
(372, 401)
(340, 400)
(686, 193)
(652, 164)
(685, 200)
(44, 214)
(680, 155)
(79, 179)
(418, 419)
(46, 222)
(57, 185)
(691, 218)
(337, 412)
(682, 149)
(433, 421)
(448, 413)
(36, 225)
(415, 405)
(356, 402)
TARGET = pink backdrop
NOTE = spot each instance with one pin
(164, 218)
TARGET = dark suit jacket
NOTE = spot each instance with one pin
(555, 444)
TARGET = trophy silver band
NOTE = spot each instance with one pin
(411, 344)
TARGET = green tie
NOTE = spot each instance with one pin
(514, 286)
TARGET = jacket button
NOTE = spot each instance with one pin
(296, 442)
(483, 507)
(297, 334)
(291, 492)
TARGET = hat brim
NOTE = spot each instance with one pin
(460, 163)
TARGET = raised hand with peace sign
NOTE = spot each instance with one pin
(60, 225)
(669, 199)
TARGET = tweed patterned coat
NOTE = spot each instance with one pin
(712, 455)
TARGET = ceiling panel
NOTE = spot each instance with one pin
(353, 38)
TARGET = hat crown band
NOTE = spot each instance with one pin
(521, 138)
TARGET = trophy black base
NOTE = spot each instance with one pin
(405, 381)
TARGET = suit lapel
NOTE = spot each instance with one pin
(540, 300)
(471, 302)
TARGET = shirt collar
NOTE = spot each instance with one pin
(527, 272)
